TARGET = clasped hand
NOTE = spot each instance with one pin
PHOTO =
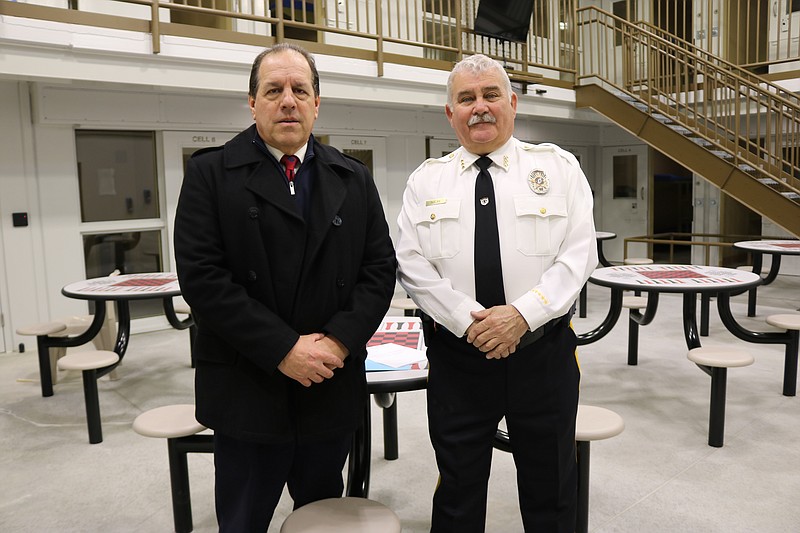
(496, 331)
(313, 358)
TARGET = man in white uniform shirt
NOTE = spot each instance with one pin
(513, 354)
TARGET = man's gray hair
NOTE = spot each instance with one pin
(477, 64)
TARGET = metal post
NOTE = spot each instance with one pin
(790, 363)
(92, 406)
(716, 417)
(633, 342)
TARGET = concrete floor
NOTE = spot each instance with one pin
(659, 475)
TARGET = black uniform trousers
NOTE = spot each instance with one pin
(250, 476)
(536, 389)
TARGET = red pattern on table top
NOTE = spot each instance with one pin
(671, 274)
(144, 282)
(409, 339)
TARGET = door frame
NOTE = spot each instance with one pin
(437, 147)
(378, 147)
(5, 323)
(173, 144)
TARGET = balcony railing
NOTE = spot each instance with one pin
(434, 33)
(429, 33)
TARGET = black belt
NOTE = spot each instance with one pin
(532, 336)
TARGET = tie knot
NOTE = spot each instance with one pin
(483, 163)
(289, 161)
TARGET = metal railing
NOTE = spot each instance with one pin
(429, 33)
(434, 33)
(750, 33)
(752, 125)
(708, 241)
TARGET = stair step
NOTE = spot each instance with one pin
(664, 119)
(744, 167)
(768, 181)
(721, 153)
(700, 141)
(791, 195)
(680, 129)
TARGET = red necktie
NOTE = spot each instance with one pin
(290, 162)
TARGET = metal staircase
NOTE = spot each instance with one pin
(731, 127)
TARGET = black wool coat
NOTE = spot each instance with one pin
(257, 276)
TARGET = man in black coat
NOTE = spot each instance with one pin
(284, 256)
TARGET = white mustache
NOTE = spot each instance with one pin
(484, 117)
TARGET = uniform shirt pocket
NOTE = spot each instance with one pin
(541, 223)
(438, 229)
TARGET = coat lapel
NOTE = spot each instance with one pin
(327, 199)
(265, 180)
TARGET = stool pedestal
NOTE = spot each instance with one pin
(177, 424)
(89, 363)
(592, 423)
(715, 362)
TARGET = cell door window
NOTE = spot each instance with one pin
(365, 156)
(120, 207)
(117, 175)
(625, 176)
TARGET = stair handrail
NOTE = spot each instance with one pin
(633, 36)
(780, 92)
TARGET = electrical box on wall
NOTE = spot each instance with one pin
(19, 220)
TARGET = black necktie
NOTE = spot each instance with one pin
(488, 269)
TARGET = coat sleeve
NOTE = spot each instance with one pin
(220, 302)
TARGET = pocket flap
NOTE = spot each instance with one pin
(438, 209)
(541, 206)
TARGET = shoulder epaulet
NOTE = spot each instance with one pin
(550, 147)
(351, 158)
(444, 159)
(433, 161)
(202, 151)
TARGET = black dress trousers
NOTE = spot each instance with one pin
(536, 389)
(250, 477)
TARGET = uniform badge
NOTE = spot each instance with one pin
(538, 182)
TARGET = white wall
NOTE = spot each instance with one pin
(39, 174)
(23, 292)
(83, 77)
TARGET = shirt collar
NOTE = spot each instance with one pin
(500, 157)
(277, 154)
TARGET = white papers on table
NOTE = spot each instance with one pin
(394, 355)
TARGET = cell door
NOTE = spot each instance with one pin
(709, 18)
(372, 152)
(369, 150)
(438, 147)
(626, 58)
(178, 148)
(625, 197)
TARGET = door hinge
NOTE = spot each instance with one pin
(2, 320)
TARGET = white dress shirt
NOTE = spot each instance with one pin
(548, 247)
